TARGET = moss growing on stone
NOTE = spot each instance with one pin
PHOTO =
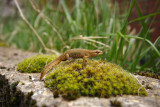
(35, 64)
(2, 44)
(149, 74)
(115, 103)
(97, 78)
(11, 97)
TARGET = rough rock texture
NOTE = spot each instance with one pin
(9, 59)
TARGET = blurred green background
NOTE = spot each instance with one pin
(89, 24)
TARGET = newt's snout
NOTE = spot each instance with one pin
(98, 52)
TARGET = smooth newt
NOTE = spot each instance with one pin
(72, 53)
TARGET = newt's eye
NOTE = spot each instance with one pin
(98, 52)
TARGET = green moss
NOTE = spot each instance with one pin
(148, 87)
(97, 78)
(13, 85)
(149, 74)
(35, 64)
(2, 44)
(115, 103)
(28, 99)
(11, 97)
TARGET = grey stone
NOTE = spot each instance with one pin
(43, 96)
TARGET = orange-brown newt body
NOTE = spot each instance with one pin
(71, 54)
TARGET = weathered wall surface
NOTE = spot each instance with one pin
(25, 90)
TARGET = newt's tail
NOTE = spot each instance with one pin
(49, 66)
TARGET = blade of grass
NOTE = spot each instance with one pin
(46, 19)
(66, 11)
(144, 17)
(114, 48)
(145, 28)
(142, 33)
(128, 49)
(145, 37)
(37, 35)
(123, 30)
(149, 42)
(77, 7)
(68, 15)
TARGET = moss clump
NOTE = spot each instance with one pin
(2, 44)
(115, 103)
(97, 78)
(11, 97)
(35, 64)
(149, 74)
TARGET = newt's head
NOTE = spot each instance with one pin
(96, 52)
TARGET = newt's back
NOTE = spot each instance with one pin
(77, 53)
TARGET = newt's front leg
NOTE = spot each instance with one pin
(70, 59)
(85, 60)
(67, 56)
